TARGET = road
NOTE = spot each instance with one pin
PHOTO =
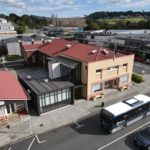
(83, 135)
(139, 67)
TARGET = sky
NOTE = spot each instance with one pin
(70, 8)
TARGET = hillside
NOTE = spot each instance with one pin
(118, 20)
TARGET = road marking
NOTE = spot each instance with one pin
(123, 136)
(78, 125)
(146, 67)
(31, 143)
(9, 148)
(39, 140)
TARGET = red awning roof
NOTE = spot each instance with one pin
(10, 88)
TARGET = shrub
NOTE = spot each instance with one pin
(137, 78)
(13, 57)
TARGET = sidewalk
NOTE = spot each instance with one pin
(83, 108)
(71, 113)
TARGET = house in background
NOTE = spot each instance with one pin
(7, 29)
(12, 45)
(13, 98)
(91, 71)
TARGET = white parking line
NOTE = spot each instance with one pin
(39, 140)
(123, 136)
(78, 125)
(31, 143)
(146, 67)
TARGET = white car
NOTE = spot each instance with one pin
(148, 61)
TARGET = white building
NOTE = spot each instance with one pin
(7, 29)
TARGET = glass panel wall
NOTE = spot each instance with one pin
(54, 97)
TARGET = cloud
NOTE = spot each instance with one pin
(128, 3)
(13, 3)
(61, 2)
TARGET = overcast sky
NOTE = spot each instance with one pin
(70, 8)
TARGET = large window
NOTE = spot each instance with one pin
(96, 87)
(124, 79)
(55, 97)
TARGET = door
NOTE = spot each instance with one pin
(115, 83)
(10, 108)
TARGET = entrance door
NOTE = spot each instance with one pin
(107, 84)
(77, 93)
(10, 109)
(115, 83)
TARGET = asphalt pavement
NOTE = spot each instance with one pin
(83, 135)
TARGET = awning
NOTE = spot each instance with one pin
(65, 61)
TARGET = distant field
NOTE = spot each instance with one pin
(114, 20)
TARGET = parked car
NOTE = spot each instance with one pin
(148, 61)
(142, 139)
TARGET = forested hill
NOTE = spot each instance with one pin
(118, 20)
(120, 14)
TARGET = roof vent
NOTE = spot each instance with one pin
(49, 41)
(32, 41)
(93, 51)
(28, 77)
(105, 52)
(68, 46)
(45, 80)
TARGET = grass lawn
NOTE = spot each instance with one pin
(132, 20)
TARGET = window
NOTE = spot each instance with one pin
(52, 98)
(112, 68)
(47, 99)
(59, 96)
(124, 79)
(64, 95)
(99, 71)
(97, 87)
(125, 65)
(92, 37)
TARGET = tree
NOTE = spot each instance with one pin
(21, 29)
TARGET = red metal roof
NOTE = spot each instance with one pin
(88, 53)
(77, 50)
(56, 46)
(31, 47)
(10, 88)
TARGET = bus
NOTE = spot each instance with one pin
(121, 114)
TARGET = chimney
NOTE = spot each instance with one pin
(68, 46)
(105, 52)
(32, 41)
(49, 41)
(43, 41)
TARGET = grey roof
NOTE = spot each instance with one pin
(66, 61)
(37, 82)
(26, 38)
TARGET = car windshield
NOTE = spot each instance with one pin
(146, 133)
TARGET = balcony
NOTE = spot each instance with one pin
(122, 70)
(112, 73)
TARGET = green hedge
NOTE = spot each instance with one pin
(137, 78)
(13, 57)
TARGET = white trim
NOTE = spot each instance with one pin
(13, 99)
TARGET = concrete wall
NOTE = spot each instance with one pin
(106, 75)
(13, 48)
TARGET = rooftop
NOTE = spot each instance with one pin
(55, 46)
(88, 53)
(10, 88)
(31, 47)
(37, 79)
(78, 51)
